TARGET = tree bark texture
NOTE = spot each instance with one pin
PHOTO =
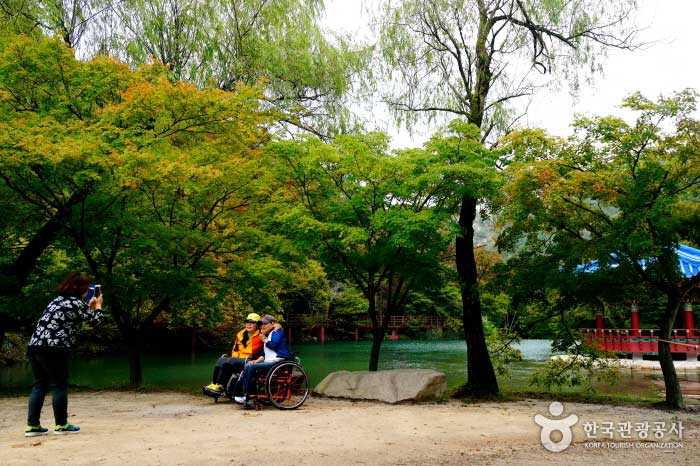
(377, 338)
(481, 377)
(377, 332)
(2, 331)
(135, 369)
(132, 335)
(13, 277)
(674, 397)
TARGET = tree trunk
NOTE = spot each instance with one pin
(193, 343)
(2, 331)
(135, 371)
(377, 339)
(481, 378)
(674, 397)
(378, 330)
(14, 277)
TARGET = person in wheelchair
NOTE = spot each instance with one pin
(275, 349)
(247, 346)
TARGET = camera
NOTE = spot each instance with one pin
(94, 291)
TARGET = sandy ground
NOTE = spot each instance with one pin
(178, 429)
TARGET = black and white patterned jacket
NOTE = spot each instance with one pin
(60, 322)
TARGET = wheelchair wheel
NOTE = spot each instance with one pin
(287, 385)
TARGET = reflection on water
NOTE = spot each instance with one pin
(180, 371)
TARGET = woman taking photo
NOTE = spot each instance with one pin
(49, 350)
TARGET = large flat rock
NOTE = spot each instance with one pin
(389, 386)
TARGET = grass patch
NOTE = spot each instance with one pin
(584, 397)
(616, 399)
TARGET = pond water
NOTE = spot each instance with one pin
(183, 372)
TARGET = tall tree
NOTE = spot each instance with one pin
(622, 195)
(380, 221)
(66, 19)
(173, 222)
(224, 43)
(471, 59)
(172, 32)
(49, 161)
(153, 181)
(308, 71)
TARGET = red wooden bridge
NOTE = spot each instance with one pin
(399, 322)
(395, 324)
(637, 341)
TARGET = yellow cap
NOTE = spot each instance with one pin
(252, 317)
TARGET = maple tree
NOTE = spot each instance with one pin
(618, 195)
(154, 181)
(381, 221)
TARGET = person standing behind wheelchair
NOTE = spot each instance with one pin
(275, 349)
(247, 345)
(49, 350)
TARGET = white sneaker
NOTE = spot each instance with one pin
(239, 399)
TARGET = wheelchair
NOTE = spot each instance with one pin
(284, 385)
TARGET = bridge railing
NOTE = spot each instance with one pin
(644, 340)
(396, 322)
(304, 321)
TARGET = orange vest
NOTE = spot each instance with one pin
(253, 346)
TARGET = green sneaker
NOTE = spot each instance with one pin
(33, 431)
(66, 429)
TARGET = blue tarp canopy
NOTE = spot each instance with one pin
(688, 262)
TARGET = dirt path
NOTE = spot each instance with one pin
(178, 429)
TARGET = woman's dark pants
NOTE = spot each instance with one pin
(225, 368)
(50, 369)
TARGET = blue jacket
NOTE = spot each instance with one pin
(277, 341)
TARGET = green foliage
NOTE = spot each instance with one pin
(576, 371)
(465, 58)
(16, 17)
(375, 213)
(50, 159)
(618, 196)
(13, 350)
(500, 345)
(307, 72)
(158, 184)
(627, 190)
(378, 221)
(444, 301)
(218, 44)
(496, 307)
(176, 217)
(347, 302)
(307, 291)
(575, 365)
(67, 20)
